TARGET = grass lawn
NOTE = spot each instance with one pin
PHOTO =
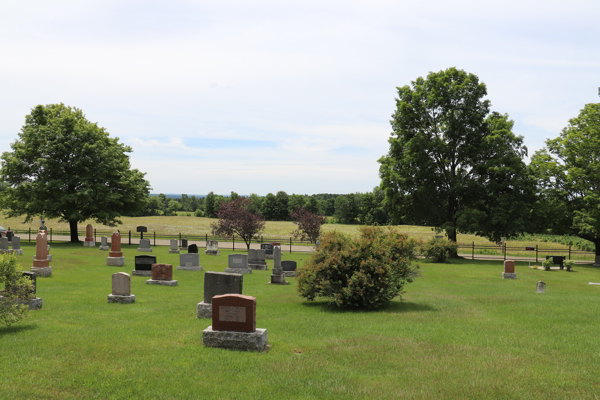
(461, 332)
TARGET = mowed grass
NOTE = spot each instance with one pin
(461, 332)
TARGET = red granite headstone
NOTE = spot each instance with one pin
(276, 243)
(115, 246)
(509, 267)
(234, 313)
(41, 250)
(162, 272)
(89, 233)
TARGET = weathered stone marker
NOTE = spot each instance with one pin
(190, 262)
(115, 255)
(16, 246)
(89, 236)
(288, 267)
(192, 248)
(218, 283)
(277, 276)
(234, 324)
(238, 264)
(212, 248)
(41, 265)
(268, 248)
(121, 289)
(174, 249)
(256, 260)
(540, 287)
(509, 270)
(103, 243)
(3, 245)
(162, 274)
(143, 265)
(145, 246)
(184, 244)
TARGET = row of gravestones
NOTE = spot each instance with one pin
(15, 245)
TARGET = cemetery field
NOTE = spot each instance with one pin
(461, 332)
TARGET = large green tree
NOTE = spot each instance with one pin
(453, 164)
(64, 166)
(568, 172)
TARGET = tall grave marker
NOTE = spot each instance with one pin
(41, 265)
(89, 236)
(121, 289)
(277, 277)
(115, 255)
(103, 243)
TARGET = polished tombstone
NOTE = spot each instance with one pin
(16, 246)
(41, 265)
(190, 262)
(540, 287)
(145, 246)
(509, 270)
(174, 249)
(256, 260)
(277, 276)
(121, 289)
(4, 246)
(89, 236)
(268, 248)
(212, 248)
(288, 267)
(143, 265)
(234, 324)
(162, 274)
(218, 283)
(104, 243)
(184, 244)
(192, 248)
(238, 264)
(597, 262)
(115, 255)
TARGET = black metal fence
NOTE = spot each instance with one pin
(537, 252)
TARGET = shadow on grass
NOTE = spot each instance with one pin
(8, 330)
(395, 307)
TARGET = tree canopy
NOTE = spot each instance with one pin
(452, 163)
(236, 219)
(64, 166)
(568, 173)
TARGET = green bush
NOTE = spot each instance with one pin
(569, 265)
(199, 213)
(17, 291)
(547, 263)
(439, 250)
(366, 272)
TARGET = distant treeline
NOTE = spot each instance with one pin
(354, 208)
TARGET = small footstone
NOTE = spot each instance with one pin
(138, 272)
(121, 299)
(161, 282)
(115, 261)
(204, 310)
(44, 272)
(36, 304)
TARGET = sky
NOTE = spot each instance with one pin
(263, 96)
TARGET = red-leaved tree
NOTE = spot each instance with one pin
(235, 219)
(309, 224)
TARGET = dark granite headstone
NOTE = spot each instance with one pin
(218, 283)
(192, 248)
(141, 230)
(184, 243)
(9, 235)
(267, 247)
(288, 265)
(144, 263)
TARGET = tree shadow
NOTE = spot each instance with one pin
(8, 330)
(395, 307)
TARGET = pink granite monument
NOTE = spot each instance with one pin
(89, 236)
(41, 265)
(509, 270)
(115, 256)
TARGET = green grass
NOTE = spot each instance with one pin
(461, 332)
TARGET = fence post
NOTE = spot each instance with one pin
(50, 235)
(206, 239)
(154, 238)
(536, 253)
(179, 239)
(504, 251)
(569, 252)
(473, 254)
(95, 237)
(233, 238)
(130, 238)
(290, 245)
(29, 235)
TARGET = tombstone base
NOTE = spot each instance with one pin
(144, 250)
(291, 274)
(212, 252)
(115, 261)
(278, 280)
(259, 267)
(113, 298)
(89, 244)
(141, 273)
(171, 251)
(238, 270)
(36, 304)
(595, 265)
(509, 275)
(6, 251)
(42, 272)
(103, 247)
(268, 256)
(190, 268)
(248, 341)
(204, 310)
(161, 282)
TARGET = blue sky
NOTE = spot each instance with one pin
(262, 96)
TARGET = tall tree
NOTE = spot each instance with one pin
(235, 219)
(282, 206)
(63, 166)
(308, 225)
(209, 205)
(568, 173)
(453, 164)
(269, 207)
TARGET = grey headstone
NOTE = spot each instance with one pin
(268, 248)
(212, 245)
(16, 243)
(121, 284)
(277, 257)
(3, 243)
(256, 256)
(103, 241)
(540, 287)
(218, 283)
(189, 260)
(174, 244)
(239, 261)
(288, 265)
(144, 243)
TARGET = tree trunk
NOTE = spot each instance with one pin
(452, 237)
(73, 228)
(597, 243)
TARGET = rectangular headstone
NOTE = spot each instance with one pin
(9, 235)
(288, 265)
(234, 313)
(3, 243)
(32, 277)
(16, 243)
(184, 243)
(121, 284)
(256, 256)
(509, 267)
(144, 243)
(237, 261)
(162, 272)
(268, 248)
(218, 283)
(174, 244)
(104, 241)
(144, 263)
(141, 229)
(193, 248)
(189, 260)
(212, 248)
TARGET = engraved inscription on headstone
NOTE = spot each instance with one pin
(233, 314)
